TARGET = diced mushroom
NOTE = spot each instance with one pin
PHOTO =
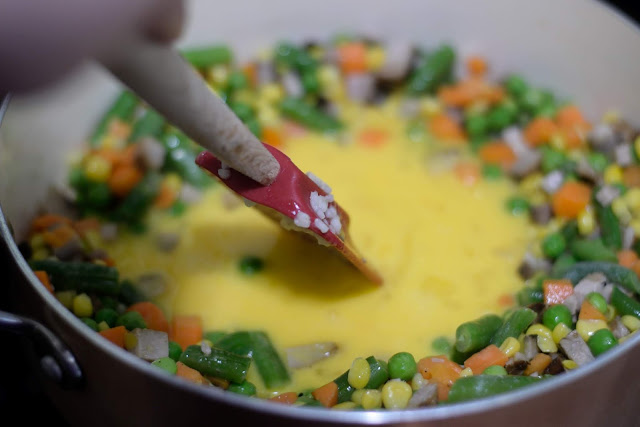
(72, 249)
(526, 162)
(410, 107)
(623, 131)
(586, 171)
(628, 236)
(303, 356)
(618, 329)
(397, 62)
(292, 84)
(151, 153)
(607, 290)
(555, 367)
(623, 155)
(552, 182)
(424, 396)
(150, 345)
(541, 214)
(190, 194)
(516, 365)
(167, 242)
(530, 347)
(607, 194)
(109, 231)
(531, 265)
(602, 138)
(361, 87)
(152, 284)
(575, 348)
(593, 282)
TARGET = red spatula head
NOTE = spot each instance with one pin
(296, 202)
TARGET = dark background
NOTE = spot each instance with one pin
(21, 400)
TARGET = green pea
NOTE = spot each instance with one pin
(441, 345)
(131, 320)
(175, 351)
(597, 161)
(214, 336)
(495, 370)
(601, 341)
(491, 172)
(547, 109)
(108, 315)
(532, 99)
(553, 245)
(555, 315)
(310, 82)
(551, 159)
(99, 195)
(108, 302)
(178, 208)
(243, 110)
(598, 301)
(237, 80)
(402, 365)
(517, 205)
(251, 265)
(90, 323)
(515, 85)
(78, 179)
(499, 118)
(477, 125)
(246, 388)
(167, 364)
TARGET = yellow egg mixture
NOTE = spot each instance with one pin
(447, 253)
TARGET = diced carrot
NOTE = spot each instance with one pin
(538, 364)
(373, 137)
(87, 224)
(185, 330)
(115, 335)
(352, 57)
(59, 236)
(453, 96)
(166, 196)
(497, 153)
(288, 398)
(540, 131)
(556, 290)
(570, 115)
(445, 128)
(441, 370)
(467, 172)
(506, 300)
(152, 315)
(44, 279)
(488, 356)
(627, 258)
(119, 129)
(251, 72)
(468, 91)
(128, 156)
(44, 222)
(589, 312)
(109, 154)
(477, 66)
(327, 394)
(189, 374)
(123, 179)
(631, 176)
(272, 136)
(570, 199)
(574, 137)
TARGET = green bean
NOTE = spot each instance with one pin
(129, 294)
(345, 390)
(552, 159)
(562, 264)
(379, 372)
(251, 265)
(614, 273)
(80, 276)
(553, 245)
(246, 388)
(137, 202)
(500, 117)
(402, 365)
(237, 343)
(123, 109)
(208, 56)
(175, 351)
(219, 363)
(97, 195)
(180, 158)
(294, 57)
(150, 124)
(441, 345)
(309, 116)
(570, 231)
(592, 250)
(601, 341)
(478, 386)
(515, 85)
(609, 226)
(516, 324)
(433, 71)
(108, 315)
(476, 125)
(597, 161)
(131, 320)
(237, 81)
(476, 334)
(214, 336)
(624, 304)
(528, 295)
(459, 357)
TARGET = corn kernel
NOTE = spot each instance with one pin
(82, 306)
(480, 106)
(559, 332)
(632, 197)
(636, 146)
(586, 221)
(217, 75)
(558, 142)
(531, 184)
(611, 117)
(317, 52)
(37, 241)
(539, 329)
(173, 182)
(631, 322)
(268, 116)
(510, 346)
(371, 399)
(112, 142)
(569, 364)
(418, 381)
(375, 58)
(359, 373)
(40, 254)
(66, 298)
(271, 93)
(99, 262)
(356, 397)
(546, 344)
(626, 337)
(538, 198)
(586, 328)
(93, 239)
(103, 326)
(613, 174)
(130, 341)
(344, 406)
(466, 372)
(97, 168)
(430, 106)
(635, 226)
(330, 81)
(245, 96)
(621, 210)
(396, 394)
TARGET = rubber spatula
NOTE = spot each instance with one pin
(257, 172)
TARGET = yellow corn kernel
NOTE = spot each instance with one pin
(613, 174)
(631, 322)
(317, 52)
(636, 146)
(430, 106)
(586, 221)
(371, 399)
(538, 198)
(510, 346)
(173, 182)
(375, 58)
(93, 239)
(245, 96)
(621, 210)
(268, 116)
(37, 241)
(103, 326)
(359, 373)
(344, 406)
(611, 117)
(130, 341)
(330, 80)
(418, 381)
(271, 93)
(586, 328)
(396, 394)
(626, 337)
(217, 75)
(531, 184)
(558, 142)
(113, 143)
(356, 397)
(559, 332)
(632, 197)
(540, 330)
(97, 168)
(635, 225)
(82, 306)
(546, 345)
(466, 372)
(66, 298)
(611, 313)
(40, 254)
(99, 262)
(569, 364)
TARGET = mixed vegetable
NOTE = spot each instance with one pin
(578, 181)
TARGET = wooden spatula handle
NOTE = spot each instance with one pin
(160, 76)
